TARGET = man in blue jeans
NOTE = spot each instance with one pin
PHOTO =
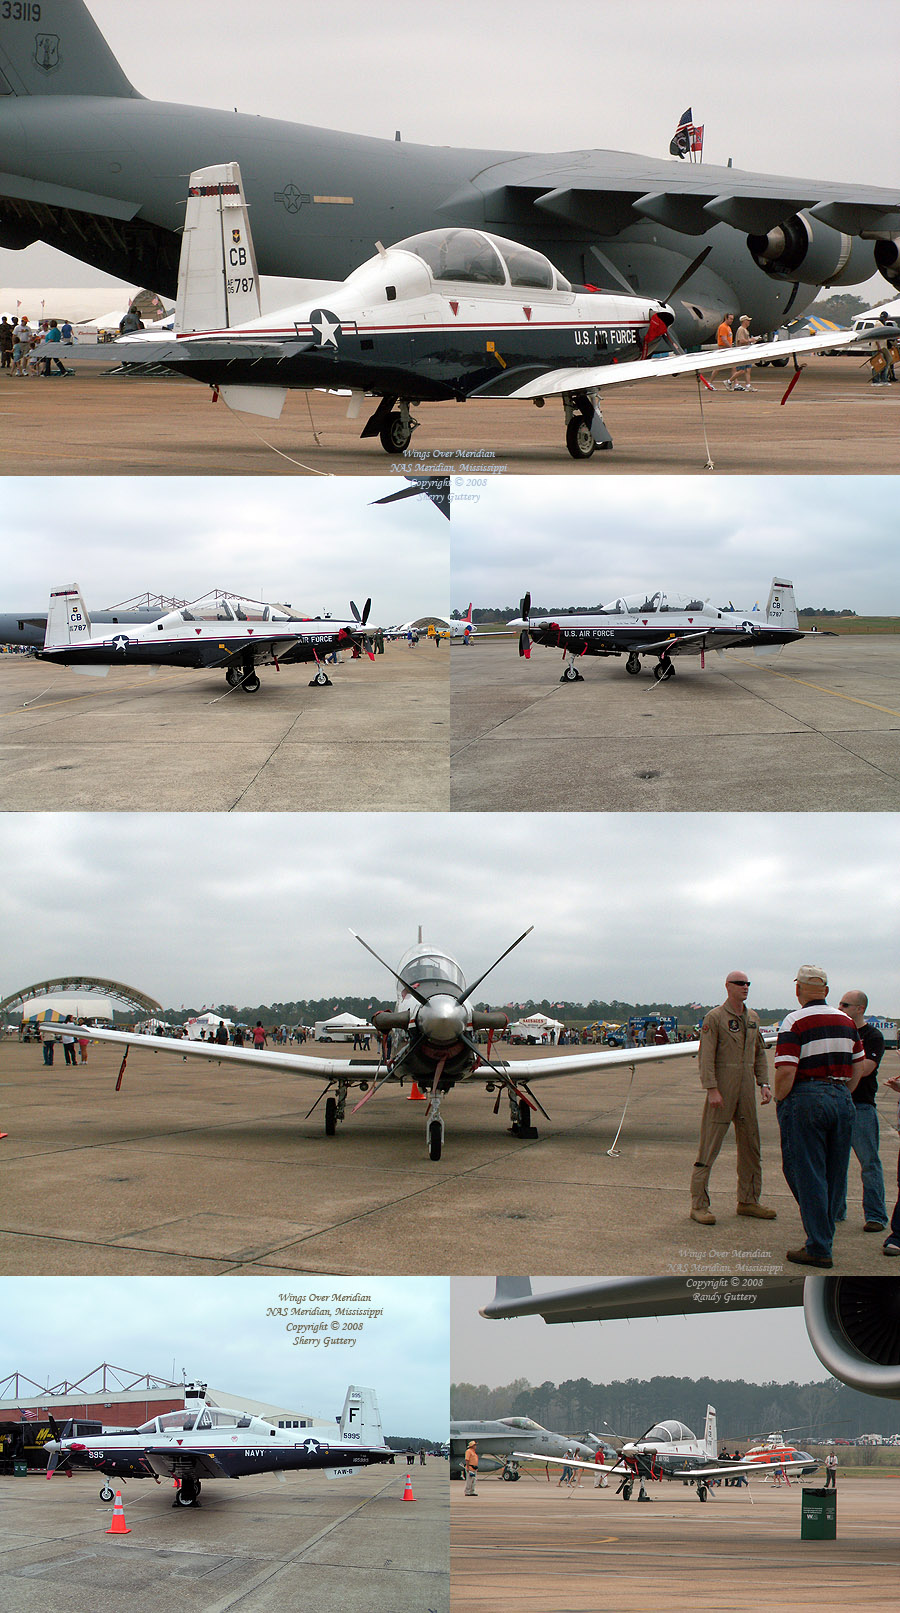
(818, 1059)
(865, 1119)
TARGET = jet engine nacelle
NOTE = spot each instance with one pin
(806, 250)
(854, 1328)
(887, 258)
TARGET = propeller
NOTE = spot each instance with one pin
(365, 614)
(58, 1455)
(524, 636)
(475, 983)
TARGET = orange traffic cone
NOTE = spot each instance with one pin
(118, 1525)
(407, 1494)
(415, 1096)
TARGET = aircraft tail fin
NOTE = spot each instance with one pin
(67, 619)
(468, 615)
(781, 611)
(361, 1419)
(56, 48)
(218, 281)
(711, 1438)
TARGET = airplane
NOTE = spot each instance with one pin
(206, 1441)
(669, 1450)
(429, 1036)
(853, 1322)
(445, 314)
(774, 1447)
(464, 627)
(500, 1437)
(661, 631)
(95, 169)
(30, 627)
(217, 630)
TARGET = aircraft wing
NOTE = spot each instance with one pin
(654, 369)
(598, 1059)
(608, 1299)
(171, 1462)
(268, 1058)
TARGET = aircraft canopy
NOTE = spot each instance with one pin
(434, 970)
(222, 610)
(487, 260)
(671, 1430)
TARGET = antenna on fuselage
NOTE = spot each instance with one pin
(421, 937)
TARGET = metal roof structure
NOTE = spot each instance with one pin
(82, 982)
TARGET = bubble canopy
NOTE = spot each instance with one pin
(474, 257)
(431, 971)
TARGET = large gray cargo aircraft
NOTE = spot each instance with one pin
(92, 167)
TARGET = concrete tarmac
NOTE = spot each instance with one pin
(813, 729)
(169, 742)
(96, 424)
(533, 1546)
(256, 1545)
(193, 1170)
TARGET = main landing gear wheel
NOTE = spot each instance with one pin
(250, 683)
(662, 670)
(435, 1139)
(702, 1492)
(523, 1122)
(107, 1494)
(633, 664)
(395, 434)
(511, 1475)
(571, 675)
(187, 1495)
(320, 681)
(232, 675)
(626, 1492)
(330, 1116)
(579, 440)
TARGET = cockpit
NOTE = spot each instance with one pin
(220, 608)
(523, 1423)
(472, 257)
(431, 971)
(188, 1420)
(665, 1433)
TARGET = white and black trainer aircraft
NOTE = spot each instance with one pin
(446, 314)
(219, 630)
(428, 1038)
(206, 1441)
(661, 630)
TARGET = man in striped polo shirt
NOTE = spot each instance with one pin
(818, 1061)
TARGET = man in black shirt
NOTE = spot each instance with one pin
(865, 1118)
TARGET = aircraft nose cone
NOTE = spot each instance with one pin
(442, 1020)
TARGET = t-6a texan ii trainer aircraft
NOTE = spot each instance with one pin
(219, 630)
(92, 167)
(429, 1037)
(450, 313)
(661, 632)
(669, 1450)
(205, 1441)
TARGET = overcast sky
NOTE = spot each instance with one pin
(570, 541)
(312, 542)
(250, 909)
(787, 89)
(216, 1329)
(756, 1347)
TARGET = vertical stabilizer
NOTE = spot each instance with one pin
(56, 48)
(218, 282)
(68, 622)
(361, 1419)
(781, 610)
(711, 1438)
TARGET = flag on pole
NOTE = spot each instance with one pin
(680, 144)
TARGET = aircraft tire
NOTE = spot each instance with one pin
(579, 441)
(435, 1140)
(107, 1494)
(232, 676)
(250, 683)
(626, 1492)
(320, 680)
(663, 669)
(330, 1116)
(395, 434)
(702, 1492)
(633, 665)
(571, 675)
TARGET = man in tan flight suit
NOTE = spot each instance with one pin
(732, 1064)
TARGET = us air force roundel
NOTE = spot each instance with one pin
(326, 325)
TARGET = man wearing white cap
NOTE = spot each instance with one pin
(818, 1061)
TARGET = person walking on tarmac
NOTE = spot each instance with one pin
(732, 1065)
(831, 1471)
(471, 1467)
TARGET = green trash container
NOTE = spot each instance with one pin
(20, 1470)
(818, 1515)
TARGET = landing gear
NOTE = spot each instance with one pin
(434, 1129)
(250, 683)
(511, 1474)
(232, 676)
(521, 1115)
(633, 664)
(393, 427)
(335, 1108)
(626, 1491)
(702, 1492)
(187, 1494)
(571, 674)
(663, 669)
(321, 680)
(107, 1493)
(585, 428)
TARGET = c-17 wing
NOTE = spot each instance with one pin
(650, 369)
(266, 1058)
(598, 1059)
